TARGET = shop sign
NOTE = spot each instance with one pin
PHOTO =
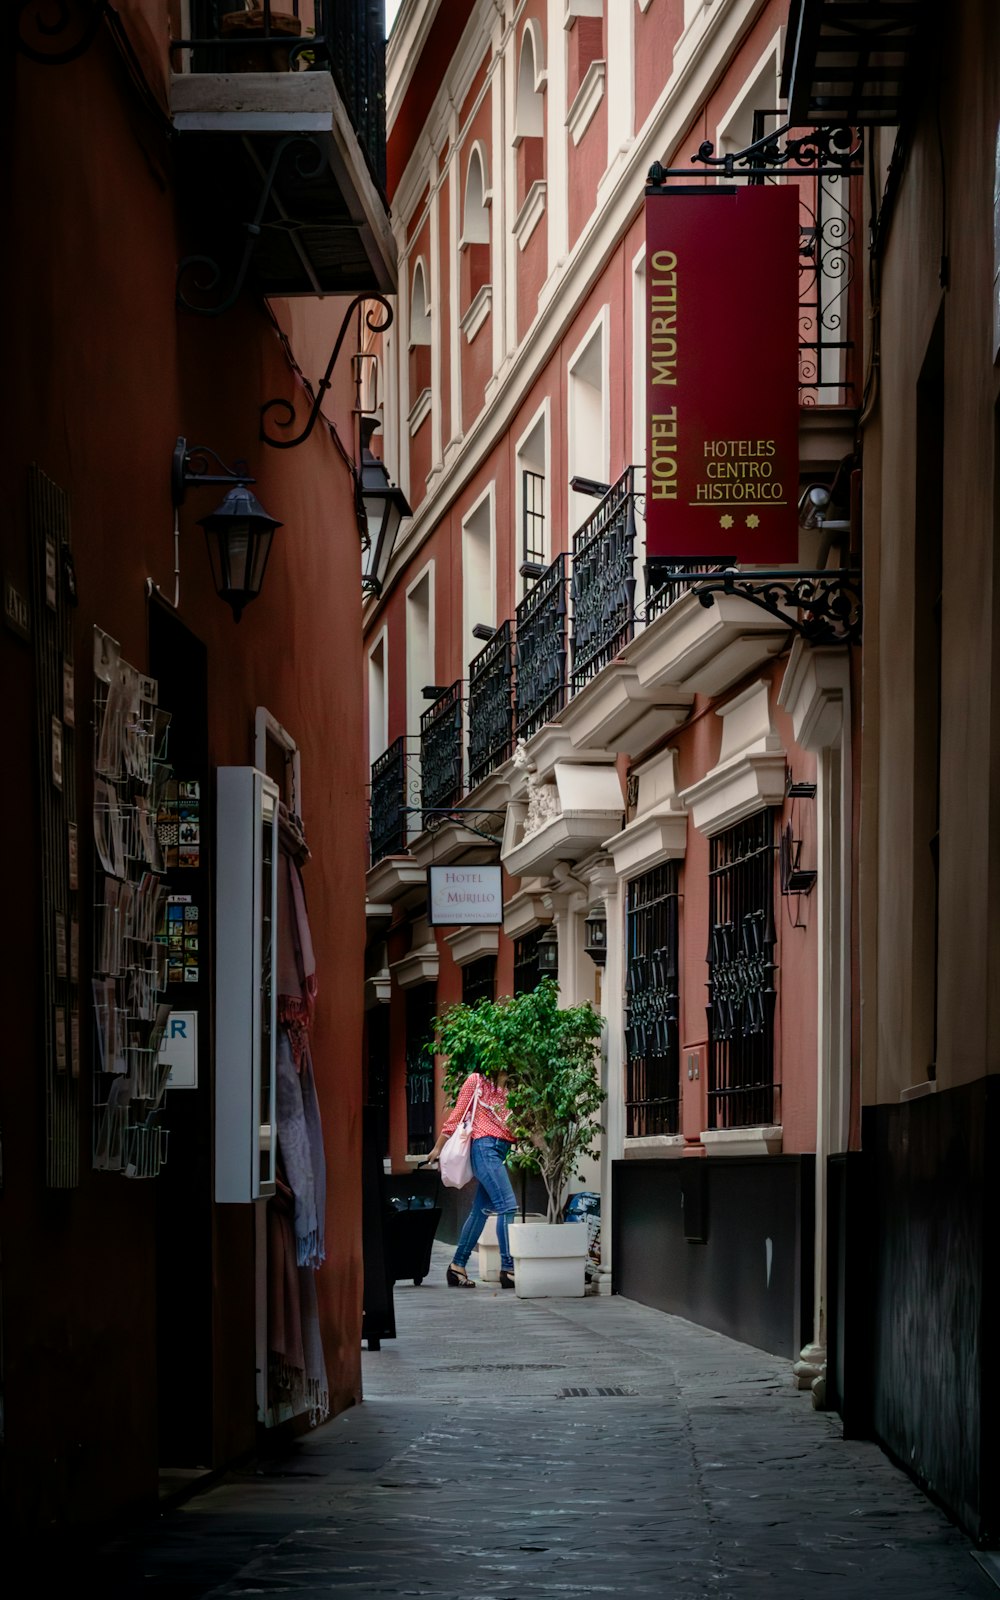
(722, 461)
(179, 1047)
(458, 896)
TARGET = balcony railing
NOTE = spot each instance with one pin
(343, 37)
(540, 648)
(441, 750)
(491, 706)
(603, 583)
(388, 803)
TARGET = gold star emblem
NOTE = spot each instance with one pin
(753, 521)
(725, 521)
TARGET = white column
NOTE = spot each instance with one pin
(454, 331)
(620, 89)
(505, 155)
(401, 330)
(498, 208)
(612, 1004)
(556, 157)
(437, 319)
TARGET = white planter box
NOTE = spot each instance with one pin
(549, 1259)
(489, 1250)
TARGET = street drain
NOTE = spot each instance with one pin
(613, 1391)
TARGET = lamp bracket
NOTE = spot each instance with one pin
(285, 409)
(310, 161)
(830, 600)
(436, 816)
(190, 467)
(81, 17)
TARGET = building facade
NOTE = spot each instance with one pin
(669, 785)
(193, 209)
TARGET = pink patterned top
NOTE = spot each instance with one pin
(490, 1121)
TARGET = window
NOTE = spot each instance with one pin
(420, 333)
(532, 493)
(652, 1050)
(475, 243)
(479, 980)
(421, 1009)
(533, 517)
(741, 994)
(478, 574)
(588, 423)
(527, 973)
(378, 715)
(529, 115)
(419, 645)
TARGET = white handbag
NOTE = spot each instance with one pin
(455, 1160)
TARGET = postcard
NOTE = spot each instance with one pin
(60, 922)
(57, 752)
(69, 695)
(73, 854)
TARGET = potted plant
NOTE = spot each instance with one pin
(554, 1093)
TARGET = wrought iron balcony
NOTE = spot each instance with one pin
(491, 706)
(541, 650)
(441, 750)
(388, 802)
(603, 582)
(281, 106)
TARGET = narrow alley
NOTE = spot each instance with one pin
(510, 1449)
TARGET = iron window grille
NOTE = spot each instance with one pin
(741, 994)
(441, 750)
(540, 688)
(527, 972)
(491, 705)
(652, 1046)
(533, 516)
(479, 980)
(421, 1009)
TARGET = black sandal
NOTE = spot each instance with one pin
(458, 1278)
(506, 1279)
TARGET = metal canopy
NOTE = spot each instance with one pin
(849, 61)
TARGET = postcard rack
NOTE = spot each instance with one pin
(129, 956)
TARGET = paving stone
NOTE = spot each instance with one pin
(468, 1474)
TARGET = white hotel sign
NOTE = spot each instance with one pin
(462, 895)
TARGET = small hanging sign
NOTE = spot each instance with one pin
(459, 896)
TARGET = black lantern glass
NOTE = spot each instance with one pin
(239, 537)
(548, 953)
(385, 508)
(595, 935)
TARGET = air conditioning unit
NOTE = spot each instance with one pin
(246, 927)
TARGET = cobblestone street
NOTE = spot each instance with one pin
(514, 1449)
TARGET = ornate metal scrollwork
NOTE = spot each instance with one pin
(540, 687)
(491, 705)
(305, 148)
(829, 603)
(285, 410)
(603, 582)
(52, 21)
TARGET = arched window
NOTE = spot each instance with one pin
(529, 115)
(475, 229)
(420, 332)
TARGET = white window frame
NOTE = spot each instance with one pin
(532, 35)
(476, 154)
(379, 735)
(415, 703)
(542, 418)
(579, 506)
(473, 613)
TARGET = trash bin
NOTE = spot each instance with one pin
(411, 1223)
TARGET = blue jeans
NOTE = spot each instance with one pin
(493, 1197)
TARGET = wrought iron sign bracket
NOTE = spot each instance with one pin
(438, 815)
(190, 468)
(285, 409)
(829, 600)
(830, 150)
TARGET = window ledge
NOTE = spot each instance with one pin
(588, 98)
(669, 1145)
(530, 214)
(419, 410)
(758, 1141)
(918, 1091)
(472, 943)
(477, 313)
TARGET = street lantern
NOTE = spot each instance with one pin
(385, 507)
(239, 537)
(547, 951)
(595, 935)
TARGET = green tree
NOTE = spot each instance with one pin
(551, 1058)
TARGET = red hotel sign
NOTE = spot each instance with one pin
(722, 462)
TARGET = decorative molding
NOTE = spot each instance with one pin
(614, 712)
(450, 841)
(378, 990)
(523, 912)
(704, 648)
(762, 1141)
(661, 835)
(419, 411)
(815, 691)
(657, 1145)
(590, 803)
(472, 943)
(393, 878)
(420, 966)
(531, 213)
(477, 313)
(588, 98)
(750, 773)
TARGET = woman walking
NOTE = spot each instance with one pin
(491, 1145)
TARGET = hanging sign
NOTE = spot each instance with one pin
(722, 460)
(462, 895)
